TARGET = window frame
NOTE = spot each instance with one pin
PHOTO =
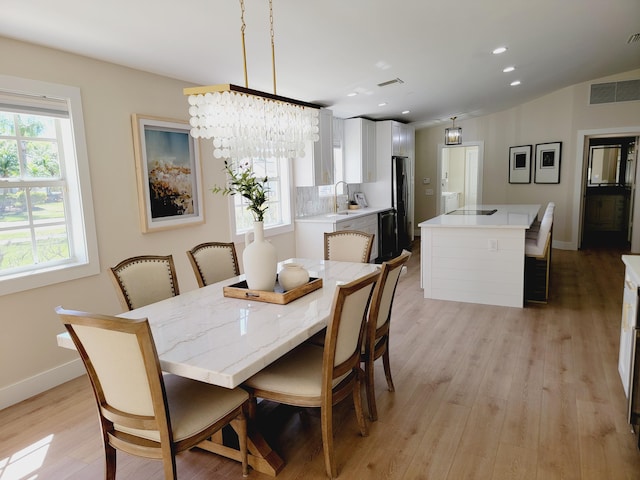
(83, 240)
(285, 183)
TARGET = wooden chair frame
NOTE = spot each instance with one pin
(366, 237)
(114, 439)
(350, 385)
(199, 268)
(376, 341)
(124, 295)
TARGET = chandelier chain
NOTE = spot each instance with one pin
(243, 27)
(273, 47)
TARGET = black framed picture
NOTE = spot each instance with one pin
(548, 157)
(520, 164)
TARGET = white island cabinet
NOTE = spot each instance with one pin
(628, 323)
(310, 230)
(476, 254)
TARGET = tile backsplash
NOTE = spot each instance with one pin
(309, 202)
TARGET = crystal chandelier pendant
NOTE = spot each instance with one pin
(245, 123)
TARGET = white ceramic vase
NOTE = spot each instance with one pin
(292, 275)
(260, 261)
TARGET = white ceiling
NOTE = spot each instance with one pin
(326, 49)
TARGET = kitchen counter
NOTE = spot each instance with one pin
(310, 230)
(337, 217)
(494, 216)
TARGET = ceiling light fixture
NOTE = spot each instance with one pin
(499, 50)
(246, 123)
(382, 104)
(404, 112)
(508, 69)
(352, 94)
(515, 83)
(453, 135)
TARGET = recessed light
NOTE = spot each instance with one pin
(514, 83)
(499, 50)
(383, 104)
(352, 94)
(404, 112)
(508, 69)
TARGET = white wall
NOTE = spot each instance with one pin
(30, 360)
(559, 116)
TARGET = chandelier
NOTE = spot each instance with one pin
(453, 135)
(246, 123)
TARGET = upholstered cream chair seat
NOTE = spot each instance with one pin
(376, 341)
(537, 268)
(313, 376)
(213, 262)
(348, 246)
(145, 279)
(532, 231)
(141, 411)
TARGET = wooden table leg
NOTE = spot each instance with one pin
(261, 457)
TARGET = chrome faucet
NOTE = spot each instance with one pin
(335, 190)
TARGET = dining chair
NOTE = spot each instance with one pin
(348, 246)
(145, 279)
(313, 376)
(213, 262)
(142, 411)
(376, 341)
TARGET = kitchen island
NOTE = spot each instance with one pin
(475, 254)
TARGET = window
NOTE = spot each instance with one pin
(47, 232)
(277, 218)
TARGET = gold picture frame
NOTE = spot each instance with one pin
(168, 173)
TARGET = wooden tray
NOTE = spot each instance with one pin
(279, 296)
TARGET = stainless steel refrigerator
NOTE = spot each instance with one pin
(400, 201)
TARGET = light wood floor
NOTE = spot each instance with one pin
(482, 392)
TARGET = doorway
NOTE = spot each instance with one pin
(459, 176)
(608, 200)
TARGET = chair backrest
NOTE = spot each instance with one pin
(348, 246)
(145, 279)
(213, 262)
(382, 299)
(122, 363)
(345, 330)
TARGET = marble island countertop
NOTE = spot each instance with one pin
(496, 216)
(337, 217)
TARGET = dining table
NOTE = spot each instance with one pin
(204, 335)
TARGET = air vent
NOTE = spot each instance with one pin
(613, 92)
(390, 82)
(634, 38)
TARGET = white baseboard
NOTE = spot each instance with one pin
(42, 382)
(564, 245)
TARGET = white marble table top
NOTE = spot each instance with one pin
(506, 216)
(203, 335)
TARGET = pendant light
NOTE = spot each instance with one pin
(246, 123)
(453, 135)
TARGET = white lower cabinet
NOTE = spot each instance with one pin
(310, 235)
(628, 324)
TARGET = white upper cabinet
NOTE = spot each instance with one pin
(402, 139)
(359, 150)
(316, 167)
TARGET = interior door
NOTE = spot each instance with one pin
(460, 170)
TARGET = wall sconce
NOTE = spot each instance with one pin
(453, 135)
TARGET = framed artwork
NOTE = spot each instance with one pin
(548, 162)
(520, 164)
(361, 199)
(168, 173)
